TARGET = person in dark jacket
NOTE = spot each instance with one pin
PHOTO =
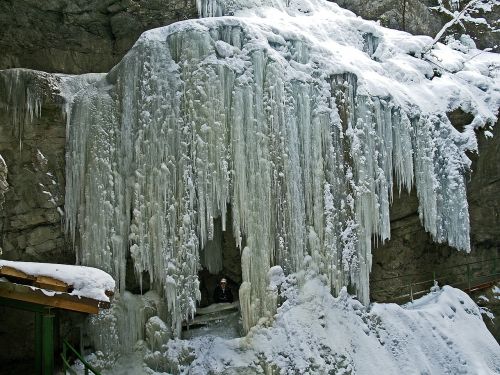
(222, 293)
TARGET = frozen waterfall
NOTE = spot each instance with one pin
(301, 119)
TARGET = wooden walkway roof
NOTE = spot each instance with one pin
(46, 291)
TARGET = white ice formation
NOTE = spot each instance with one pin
(22, 98)
(299, 117)
(4, 185)
(24, 93)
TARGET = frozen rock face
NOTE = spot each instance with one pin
(32, 161)
(33, 136)
(411, 251)
(79, 36)
(301, 120)
(416, 17)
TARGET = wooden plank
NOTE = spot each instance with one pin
(201, 320)
(216, 307)
(13, 272)
(212, 313)
(51, 283)
(62, 301)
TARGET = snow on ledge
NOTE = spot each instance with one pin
(86, 281)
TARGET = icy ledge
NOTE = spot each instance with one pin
(299, 119)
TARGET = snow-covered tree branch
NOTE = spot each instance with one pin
(464, 14)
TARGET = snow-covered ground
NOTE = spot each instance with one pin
(316, 333)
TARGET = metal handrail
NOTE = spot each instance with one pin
(66, 365)
(469, 280)
(431, 272)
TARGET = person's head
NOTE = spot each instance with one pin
(223, 283)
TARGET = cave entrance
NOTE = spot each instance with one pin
(220, 258)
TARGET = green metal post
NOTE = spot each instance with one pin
(48, 342)
(57, 333)
(38, 343)
(64, 355)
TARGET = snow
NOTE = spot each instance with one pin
(316, 333)
(86, 281)
(297, 116)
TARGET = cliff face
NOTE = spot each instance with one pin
(76, 37)
(416, 17)
(92, 36)
(32, 145)
(411, 251)
(31, 216)
(79, 36)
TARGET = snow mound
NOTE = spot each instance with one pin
(316, 333)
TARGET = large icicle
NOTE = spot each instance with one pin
(300, 123)
(4, 185)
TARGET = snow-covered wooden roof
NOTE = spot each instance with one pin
(76, 288)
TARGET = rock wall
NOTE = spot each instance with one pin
(32, 138)
(79, 36)
(411, 251)
(89, 36)
(92, 36)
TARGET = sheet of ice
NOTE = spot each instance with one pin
(299, 117)
(86, 281)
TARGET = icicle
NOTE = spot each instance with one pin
(23, 97)
(4, 185)
(224, 113)
(117, 331)
(247, 310)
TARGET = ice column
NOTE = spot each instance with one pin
(207, 117)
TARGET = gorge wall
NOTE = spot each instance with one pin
(79, 36)
(96, 37)
(92, 36)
